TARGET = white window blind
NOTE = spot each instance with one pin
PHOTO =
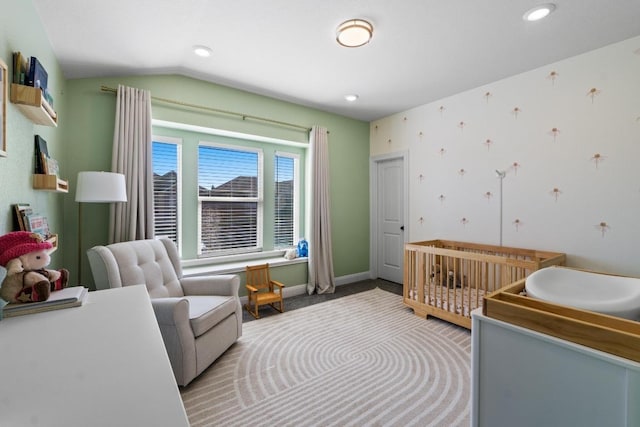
(284, 201)
(166, 189)
(229, 196)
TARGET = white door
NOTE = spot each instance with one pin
(390, 214)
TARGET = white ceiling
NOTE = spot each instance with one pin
(421, 51)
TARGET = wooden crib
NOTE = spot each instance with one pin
(449, 279)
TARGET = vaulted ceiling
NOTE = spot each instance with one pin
(421, 50)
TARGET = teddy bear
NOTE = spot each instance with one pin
(25, 257)
(452, 280)
(436, 276)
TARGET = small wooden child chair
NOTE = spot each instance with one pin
(262, 290)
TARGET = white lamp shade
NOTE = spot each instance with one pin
(100, 187)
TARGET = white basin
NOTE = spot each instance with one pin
(603, 293)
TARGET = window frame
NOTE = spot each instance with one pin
(178, 143)
(191, 134)
(296, 195)
(259, 200)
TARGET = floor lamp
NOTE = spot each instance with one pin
(97, 187)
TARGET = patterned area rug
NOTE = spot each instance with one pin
(364, 359)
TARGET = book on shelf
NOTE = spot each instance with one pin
(37, 223)
(37, 75)
(25, 213)
(64, 298)
(44, 164)
(41, 153)
(52, 167)
(20, 68)
(19, 213)
(48, 105)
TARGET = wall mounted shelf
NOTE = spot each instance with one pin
(33, 105)
(50, 183)
(53, 239)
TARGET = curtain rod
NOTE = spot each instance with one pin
(218, 111)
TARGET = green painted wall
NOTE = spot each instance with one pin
(88, 146)
(17, 167)
(83, 138)
(289, 275)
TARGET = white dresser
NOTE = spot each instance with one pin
(101, 364)
(522, 378)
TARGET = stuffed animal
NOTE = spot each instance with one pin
(454, 280)
(450, 281)
(436, 276)
(24, 255)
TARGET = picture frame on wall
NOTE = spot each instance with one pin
(4, 89)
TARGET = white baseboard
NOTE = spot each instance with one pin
(352, 278)
(295, 290)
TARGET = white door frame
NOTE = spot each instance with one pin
(374, 162)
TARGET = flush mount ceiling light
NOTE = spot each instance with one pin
(354, 33)
(539, 12)
(202, 51)
(351, 98)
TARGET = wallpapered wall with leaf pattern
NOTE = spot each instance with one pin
(568, 137)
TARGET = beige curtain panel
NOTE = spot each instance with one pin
(321, 278)
(132, 157)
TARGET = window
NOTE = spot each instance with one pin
(230, 200)
(225, 196)
(166, 187)
(286, 167)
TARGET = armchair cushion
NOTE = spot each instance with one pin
(207, 311)
(223, 284)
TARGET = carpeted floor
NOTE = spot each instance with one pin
(301, 301)
(359, 359)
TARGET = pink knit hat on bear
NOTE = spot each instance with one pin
(18, 243)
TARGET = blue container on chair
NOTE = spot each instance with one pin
(303, 248)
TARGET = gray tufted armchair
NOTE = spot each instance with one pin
(199, 317)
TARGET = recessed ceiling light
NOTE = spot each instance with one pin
(354, 33)
(202, 51)
(539, 12)
(351, 98)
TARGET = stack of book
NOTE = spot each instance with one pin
(64, 298)
(26, 220)
(30, 72)
(44, 164)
